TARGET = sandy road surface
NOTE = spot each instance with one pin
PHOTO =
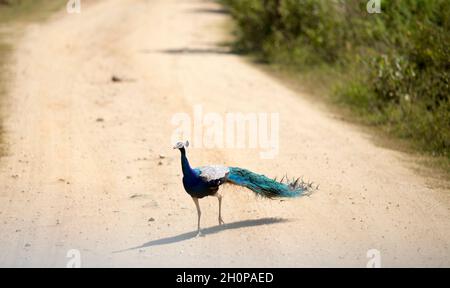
(83, 167)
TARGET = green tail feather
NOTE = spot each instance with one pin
(267, 187)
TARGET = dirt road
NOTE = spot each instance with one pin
(84, 169)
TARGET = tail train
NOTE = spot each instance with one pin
(269, 188)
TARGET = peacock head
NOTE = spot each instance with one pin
(181, 145)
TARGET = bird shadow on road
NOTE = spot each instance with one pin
(208, 231)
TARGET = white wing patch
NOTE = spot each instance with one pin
(214, 172)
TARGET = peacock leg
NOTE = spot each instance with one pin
(219, 196)
(199, 213)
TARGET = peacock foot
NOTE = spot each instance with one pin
(221, 222)
(199, 234)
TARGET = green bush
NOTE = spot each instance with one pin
(398, 61)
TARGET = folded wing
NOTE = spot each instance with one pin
(215, 174)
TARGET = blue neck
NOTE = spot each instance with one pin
(187, 170)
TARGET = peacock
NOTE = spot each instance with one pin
(205, 181)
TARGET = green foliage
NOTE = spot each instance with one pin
(26, 10)
(398, 62)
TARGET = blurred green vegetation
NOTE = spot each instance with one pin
(4, 51)
(393, 67)
(28, 10)
(13, 12)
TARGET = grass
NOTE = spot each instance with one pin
(388, 71)
(318, 84)
(13, 15)
(28, 10)
(4, 52)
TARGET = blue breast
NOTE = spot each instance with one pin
(196, 186)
